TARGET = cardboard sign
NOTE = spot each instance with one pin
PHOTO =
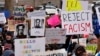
(91, 48)
(77, 22)
(11, 25)
(19, 11)
(60, 52)
(36, 13)
(82, 41)
(2, 18)
(98, 13)
(74, 5)
(54, 20)
(21, 29)
(57, 36)
(37, 26)
(25, 47)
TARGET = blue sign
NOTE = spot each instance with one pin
(7, 13)
(96, 25)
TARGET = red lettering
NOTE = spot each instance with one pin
(65, 25)
(79, 27)
(74, 27)
(83, 28)
(87, 25)
(70, 28)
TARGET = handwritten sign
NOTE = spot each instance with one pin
(37, 26)
(60, 52)
(91, 48)
(26, 47)
(19, 11)
(74, 5)
(57, 36)
(77, 22)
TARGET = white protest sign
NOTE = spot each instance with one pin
(82, 41)
(98, 13)
(21, 29)
(36, 13)
(60, 52)
(57, 36)
(78, 22)
(37, 26)
(74, 5)
(2, 18)
(26, 47)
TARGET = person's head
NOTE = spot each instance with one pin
(92, 39)
(8, 35)
(79, 51)
(37, 21)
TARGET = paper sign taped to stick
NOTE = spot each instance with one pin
(57, 36)
(77, 22)
(21, 29)
(60, 52)
(74, 5)
(37, 26)
(26, 47)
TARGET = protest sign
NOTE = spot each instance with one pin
(74, 5)
(54, 20)
(78, 22)
(2, 18)
(60, 52)
(11, 25)
(36, 13)
(91, 48)
(26, 47)
(37, 26)
(21, 29)
(57, 36)
(19, 11)
(98, 13)
(82, 41)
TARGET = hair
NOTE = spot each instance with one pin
(81, 50)
(20, 25)
(37, 20)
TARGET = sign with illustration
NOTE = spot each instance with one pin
(37, 26)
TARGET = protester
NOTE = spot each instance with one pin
(8, 53)
(80, 51)
(92, 39)
(8, 43)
